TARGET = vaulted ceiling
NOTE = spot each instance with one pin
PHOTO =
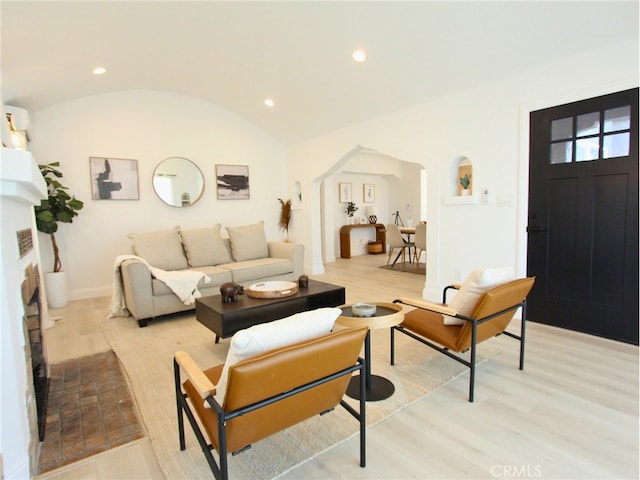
(237, 54)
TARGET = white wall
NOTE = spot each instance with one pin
(149, 126)
(404, 195)
(484, 124)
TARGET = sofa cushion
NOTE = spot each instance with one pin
(161, 249)
(269, 336)
(254, 270)
(478, 282)
(248, 242)
(204, 246)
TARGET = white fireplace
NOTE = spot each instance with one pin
(21, 187)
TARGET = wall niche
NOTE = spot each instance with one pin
(464, 177)
(461, 182)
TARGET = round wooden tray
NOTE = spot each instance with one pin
(275, 289)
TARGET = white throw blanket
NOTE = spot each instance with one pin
(184, 283)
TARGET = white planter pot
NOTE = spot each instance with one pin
(465, 192)
(55, 285)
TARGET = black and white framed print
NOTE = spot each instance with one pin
(369, 192)
(232, 182)
(114, 178)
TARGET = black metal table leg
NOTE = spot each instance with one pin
(378, 388)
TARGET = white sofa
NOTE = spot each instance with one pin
(245, 257)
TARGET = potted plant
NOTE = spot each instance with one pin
(285, 217)
(59, 206)
(351, 210)
(464, 182)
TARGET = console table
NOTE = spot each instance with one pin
(345, 237)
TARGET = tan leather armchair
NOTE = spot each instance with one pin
(305, 379)
(490, 317)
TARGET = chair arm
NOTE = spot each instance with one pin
(453, 286)
(434, 307)
(198, 379)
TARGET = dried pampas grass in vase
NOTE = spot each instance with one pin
(285, 217)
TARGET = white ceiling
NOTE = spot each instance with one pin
(236, 54)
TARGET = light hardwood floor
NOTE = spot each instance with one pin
(571, 414)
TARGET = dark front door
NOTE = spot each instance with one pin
(583, 216)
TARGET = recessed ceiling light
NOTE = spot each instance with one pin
(99, 70)
(359, 56)
(269, 102)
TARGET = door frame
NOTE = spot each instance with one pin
(523, 164)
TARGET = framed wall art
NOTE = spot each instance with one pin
(369, 192)
(114, 178)
(232, 182)
(345, 192)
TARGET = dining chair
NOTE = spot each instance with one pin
(395, 240)
(420, 245)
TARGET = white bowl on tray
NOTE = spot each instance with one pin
(363, 310)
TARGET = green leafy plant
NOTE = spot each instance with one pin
(465, 181)
(285, 216)
(59, 206)
(351, 209)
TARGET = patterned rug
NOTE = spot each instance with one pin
(147, 357)
(407, 268)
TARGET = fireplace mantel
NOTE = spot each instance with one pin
(20, 177)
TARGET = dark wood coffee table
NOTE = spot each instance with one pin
(225, 319)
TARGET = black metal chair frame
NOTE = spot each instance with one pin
(221, 472)
(471, 363)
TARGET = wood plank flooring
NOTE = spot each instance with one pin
(572, 413)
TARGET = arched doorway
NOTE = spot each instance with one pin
(375, 180)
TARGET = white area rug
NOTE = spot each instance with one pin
(147, 358)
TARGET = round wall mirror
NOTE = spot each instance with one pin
(178, 182)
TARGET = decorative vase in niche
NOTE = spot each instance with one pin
(465, 192)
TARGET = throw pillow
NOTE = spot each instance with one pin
(248, 242)
(269, 336)
(161, 249)
(205, 247)
(478, 282)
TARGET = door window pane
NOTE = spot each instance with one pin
(561, 152)
(615, 145)
(562, 128)
(587, 149)
(591, 136)
(588, 124)
(617, 119)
